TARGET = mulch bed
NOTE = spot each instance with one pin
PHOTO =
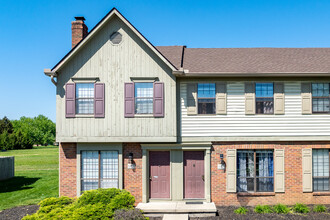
(18, 212)
(228, 213)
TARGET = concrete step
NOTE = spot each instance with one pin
(175, 217)
(193, 210)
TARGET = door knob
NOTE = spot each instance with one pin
(203, 177)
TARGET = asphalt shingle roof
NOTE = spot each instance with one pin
(249, 60)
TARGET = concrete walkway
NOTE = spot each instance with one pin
(164, 208)
(176, 217)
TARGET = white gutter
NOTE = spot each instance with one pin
(48, 72)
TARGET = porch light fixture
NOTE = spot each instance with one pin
(222, 164)
(131, 164)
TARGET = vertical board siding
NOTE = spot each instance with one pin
(237, 124)
(114, 65)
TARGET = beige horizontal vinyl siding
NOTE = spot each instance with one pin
(114, 65)
(237, 124)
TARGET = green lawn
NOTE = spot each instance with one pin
(36, 177)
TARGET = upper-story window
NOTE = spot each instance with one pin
(264, 98)
(320, 94)
(321, 169)
(206, 98)
(144, 94)
(85, 98)
(255, 171)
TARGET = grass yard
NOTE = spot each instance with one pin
(36, 177)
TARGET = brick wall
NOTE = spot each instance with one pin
(68, 169)
(133, 177)
(293, 176)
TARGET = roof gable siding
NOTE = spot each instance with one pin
(114, 65)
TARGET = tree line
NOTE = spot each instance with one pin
(26, 132)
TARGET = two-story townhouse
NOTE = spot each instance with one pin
(231, 126)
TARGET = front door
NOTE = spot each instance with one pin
(193, 174)
(159, 167)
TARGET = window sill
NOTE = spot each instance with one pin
(321, 193)
(84, 116)
(143, 116)
(256, 194)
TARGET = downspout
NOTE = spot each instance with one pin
(48, 72)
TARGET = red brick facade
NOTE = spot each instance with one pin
(133, 177)
(68, 169)
(293, 176)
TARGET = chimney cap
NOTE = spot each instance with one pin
(80, 18)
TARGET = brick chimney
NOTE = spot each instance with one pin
(79, 30)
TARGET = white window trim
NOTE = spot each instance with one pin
(116, 147)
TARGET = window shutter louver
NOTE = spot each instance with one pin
(158, 99)
(70, 100)
(231, 170)
(221, 98)
(279, 101)
(129, 100)
(307, 170)
(250, 99)
(279, 170)
(99, 100)
(192, 99)
(306, 98)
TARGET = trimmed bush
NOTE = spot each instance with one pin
(132, 214)
(93, 204)
(241, 211)
(319, 208)
(262, 209)
(103, 196)
(122, 200)
(300, 208)
(281, 209)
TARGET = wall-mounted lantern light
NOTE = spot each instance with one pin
(222, 164)
(131, 164)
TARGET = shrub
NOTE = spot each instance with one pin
(95, 211)
(124, 214)
(122, 200)
(320, 208)
(261, 209)
(93, 204)
(300, 208)
(241, 211)
(103, 196)
(62, 201)
(281, 209)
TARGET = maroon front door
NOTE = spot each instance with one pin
(193, 174)
(159, 167)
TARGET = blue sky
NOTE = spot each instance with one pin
(36, 34)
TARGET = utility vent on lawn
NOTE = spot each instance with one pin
(116, 38)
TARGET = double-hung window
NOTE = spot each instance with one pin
(320, 170)
(85, 98)
(264, 98)
(144, 94)
(206, 98)
(99, 169)
(321, 97)
(255, 171)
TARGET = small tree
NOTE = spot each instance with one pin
(6, 125)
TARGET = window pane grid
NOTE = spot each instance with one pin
(320, 169)
(264, 98)
(321, 99)
(84, 98)
(255, 171)
(144, 98)
(99, 169)
(206, 98)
